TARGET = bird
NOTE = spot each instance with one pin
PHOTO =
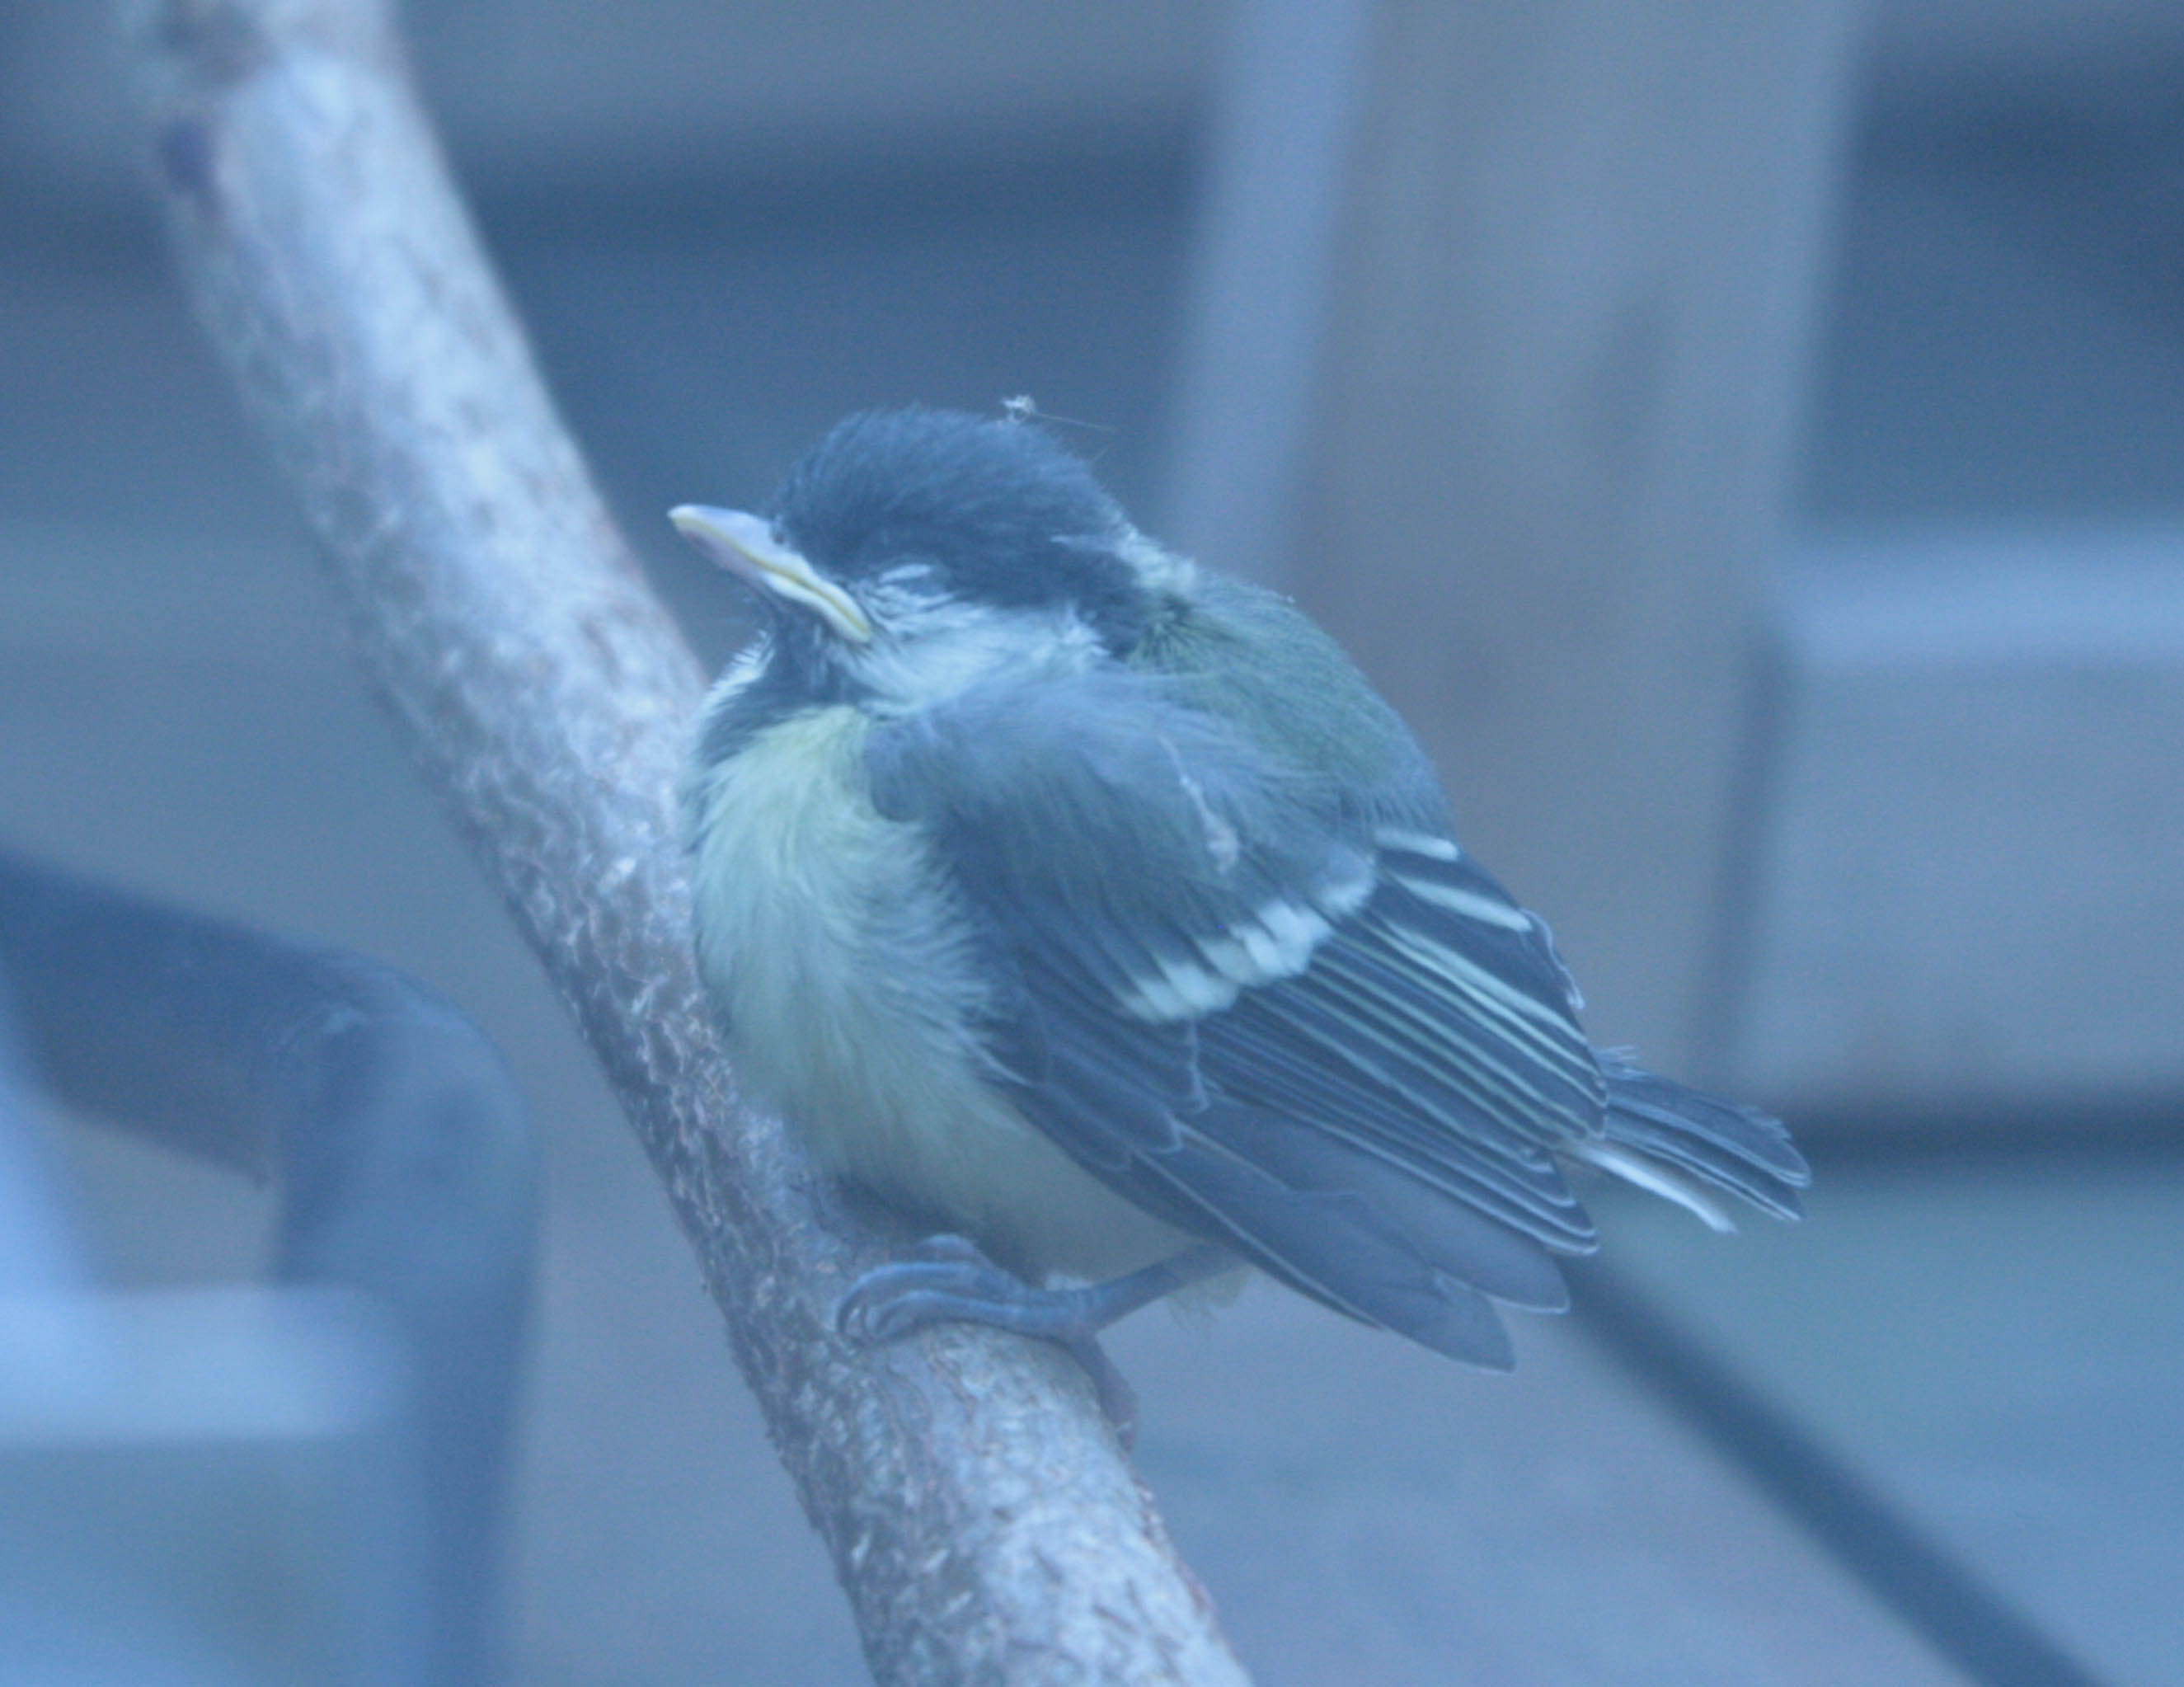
(1089, 907)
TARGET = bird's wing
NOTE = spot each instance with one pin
(1254, 1003)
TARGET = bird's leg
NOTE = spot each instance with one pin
(951, 1280)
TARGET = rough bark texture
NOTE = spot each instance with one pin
(980, 1516)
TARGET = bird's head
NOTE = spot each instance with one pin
(913, 552)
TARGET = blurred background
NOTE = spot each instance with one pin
(1746, 440)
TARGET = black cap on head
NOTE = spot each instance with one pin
(998, 510)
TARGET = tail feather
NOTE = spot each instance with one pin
(1732, 1147)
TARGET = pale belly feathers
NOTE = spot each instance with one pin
(848, 1007)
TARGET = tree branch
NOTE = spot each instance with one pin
(979, 1513)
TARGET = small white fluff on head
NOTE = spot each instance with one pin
(1158, 569)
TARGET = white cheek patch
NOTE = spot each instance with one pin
(928, 651)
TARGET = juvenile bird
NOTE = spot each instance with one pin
(1090, 908)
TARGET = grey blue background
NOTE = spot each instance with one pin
(726, 228)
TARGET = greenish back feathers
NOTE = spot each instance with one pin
(1226, 646)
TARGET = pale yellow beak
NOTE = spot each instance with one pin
(745, 546)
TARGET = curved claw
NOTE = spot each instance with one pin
(949, 1246)
(952, 1280)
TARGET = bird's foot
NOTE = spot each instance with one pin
(951, 1280)
(948, 1278)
